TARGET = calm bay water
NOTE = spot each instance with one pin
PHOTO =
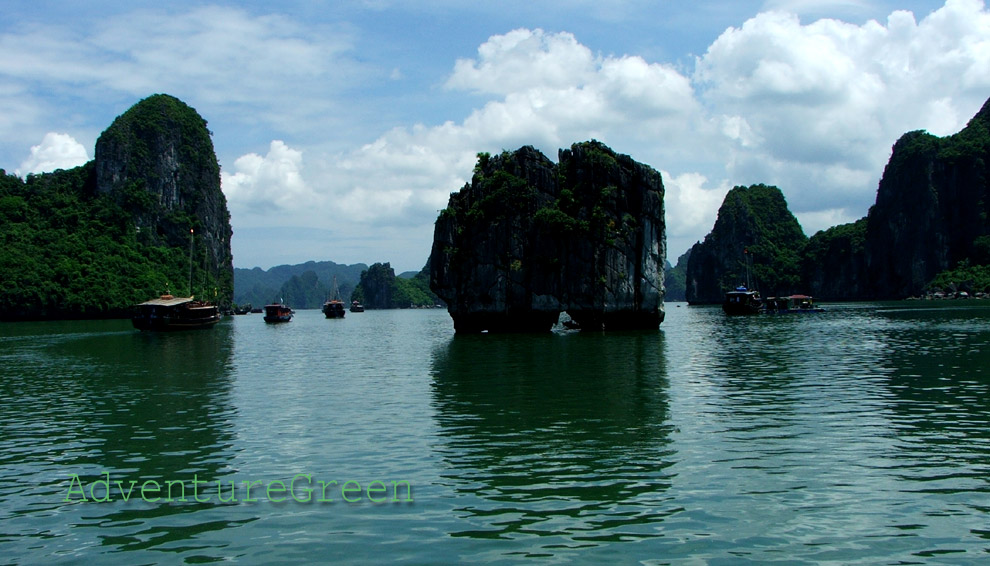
(857, 436)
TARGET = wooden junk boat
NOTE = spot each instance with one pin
(278, 312)
(334, 307)
(167, 313)
(742, 301)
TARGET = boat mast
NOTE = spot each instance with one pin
(749, 283)
(191, 241)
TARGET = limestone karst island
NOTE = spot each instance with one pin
(525, 241)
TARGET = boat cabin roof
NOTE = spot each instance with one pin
(167, 301)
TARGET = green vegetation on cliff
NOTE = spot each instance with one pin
(754, 229)
(675, 279)
(135, 222)
(969, 278)
(66, 252)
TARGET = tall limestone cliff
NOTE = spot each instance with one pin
(755, 238)
(157, 162)
(527, 239)
(932, 205)
(493, 262)
(614, 275)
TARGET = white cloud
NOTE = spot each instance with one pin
(56, 151)
(523, 59)
(689, 203)
(813, 222)
(815, 108)
(270, 183)
(268, 69)
(810, 106)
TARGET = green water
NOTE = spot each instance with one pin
(856, 436)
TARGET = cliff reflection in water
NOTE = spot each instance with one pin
(97, 397)
(556, 435)
(939, 383)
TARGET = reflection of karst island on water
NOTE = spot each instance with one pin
(523, 242)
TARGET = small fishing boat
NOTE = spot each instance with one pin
(277, 312)
(742, 301)
(793, 304)
(356, 307)
(168, 313)
(334, 307)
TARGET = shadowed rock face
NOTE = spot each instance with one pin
(157, 161)
(613, 278)
(527, 239)
(932, 204)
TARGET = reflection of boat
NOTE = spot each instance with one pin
(334, 307)
(742, 301)
(356, 307)
(174, 313)
(277, 312)
(792, 304)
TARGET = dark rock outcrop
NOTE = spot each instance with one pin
(495, 266)
(755, 238)
(613, 278)
(376, 286)
(675, 278)
(527, 239)
(834, 263)
(932, 205)
(157, 161)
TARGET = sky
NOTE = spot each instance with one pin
(342, 127)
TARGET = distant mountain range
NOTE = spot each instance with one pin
(259, 287)
(295, 285)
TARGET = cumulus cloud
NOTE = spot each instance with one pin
(268, 69)
(524, 59)
(56, 151)
(810, 106)
(550, 91)
(816, 107)
(555, 91)
(271, 182)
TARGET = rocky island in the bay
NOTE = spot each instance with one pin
(927, 234)
(91, 241)
(528, 239)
